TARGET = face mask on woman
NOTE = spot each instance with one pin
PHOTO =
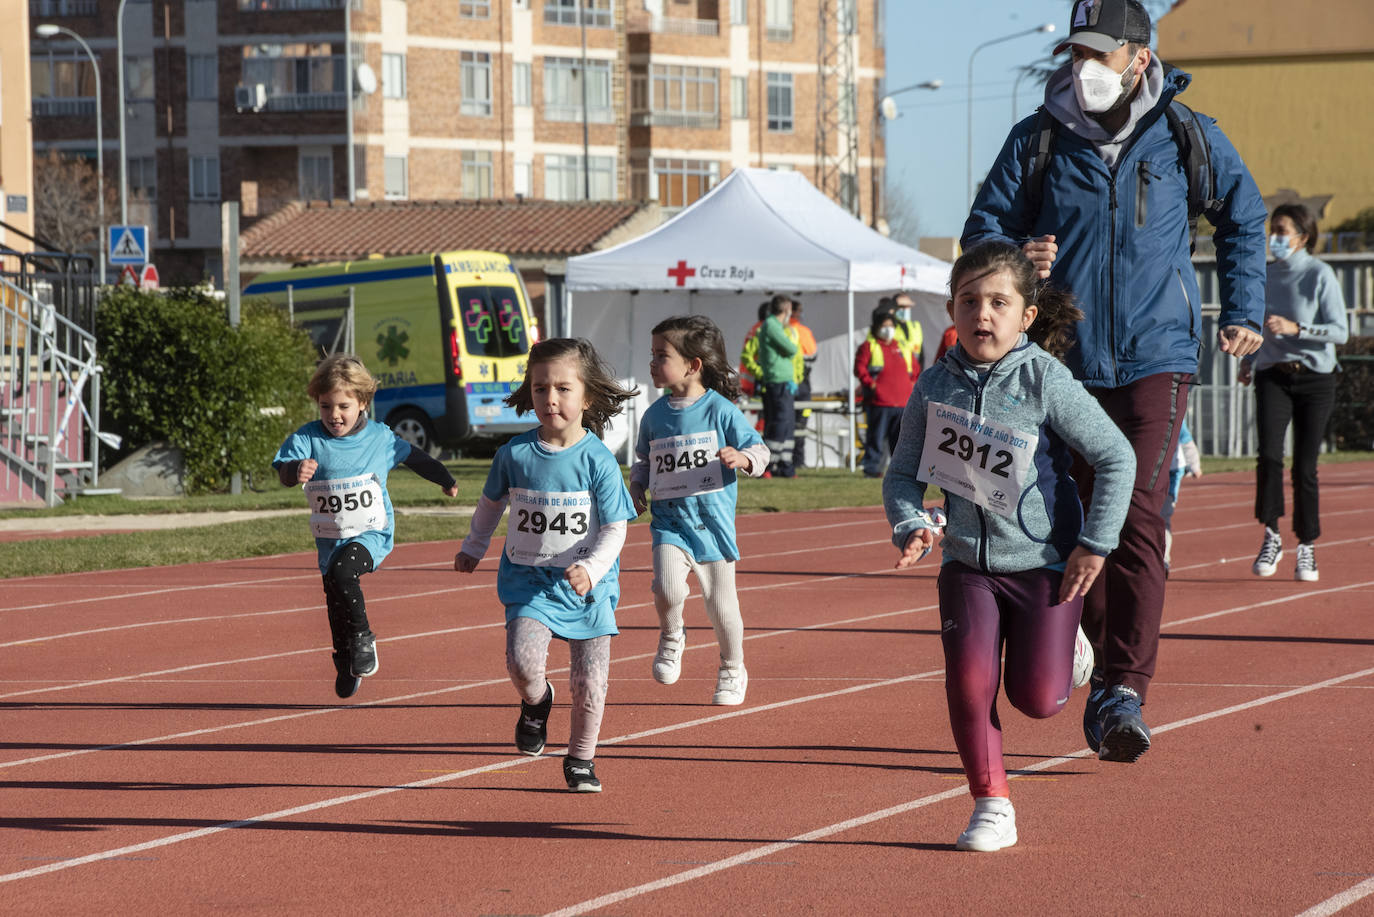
(1098, 86)
(1280, 246)
(904, 315)
(886, 333)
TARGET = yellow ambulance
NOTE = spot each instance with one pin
(445, 334)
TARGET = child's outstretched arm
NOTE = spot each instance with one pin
(296, 472)
(586, 573)
(432, 470)
(753, 459)
(485, 517)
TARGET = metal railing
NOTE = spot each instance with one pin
(306, 101)
(706, 119)
(667, 26)
(54, 107)
(251, 6)
(43, 9)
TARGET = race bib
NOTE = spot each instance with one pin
(683, 466)
(550, 529)
(975, 458)
(344, 507)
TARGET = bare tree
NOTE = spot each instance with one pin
(904, 223)
(66, 209)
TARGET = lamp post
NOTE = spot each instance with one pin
(1047, 27)
(48, 30)
(885, 109)
(123, 107)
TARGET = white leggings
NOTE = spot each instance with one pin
(527, 656)
(717, 578)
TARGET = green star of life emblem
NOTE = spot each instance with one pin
(391, 346)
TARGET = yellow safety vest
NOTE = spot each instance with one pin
(876, 358)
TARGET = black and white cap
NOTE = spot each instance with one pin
(1105, 25)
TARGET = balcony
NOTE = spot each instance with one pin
(47, 9)
(51, 107)
(781, 33)
(595, 115)
(272, 6)
(306, 101)
(663, 25)
(699, 119)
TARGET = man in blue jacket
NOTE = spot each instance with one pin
(1109, 221)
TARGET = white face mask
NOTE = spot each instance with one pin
(1099, 87)
(886, 333)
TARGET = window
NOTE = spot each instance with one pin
(524, 178)
(138, 78)
(316, 174)
(679, 182)
(684, 96)
(780, 102)
(520, 83)
(563, 90)
(493, 325)
(564, 179)
(393, 76)
(202, 77)
(848, 102)
(739, 12)
(476, 77)
(204, 178)
(396, 178)
(63, 84)
(476, 173)
(298, 77)
(142, 177)
(739, 97)
(474, 9)
(598, 13)
(849, 17)
(778, 20)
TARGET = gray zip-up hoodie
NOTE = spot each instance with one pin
(1026, 390)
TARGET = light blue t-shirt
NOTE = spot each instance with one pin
(702, 524)
(558, 502)
(373, 450)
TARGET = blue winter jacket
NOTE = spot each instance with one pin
(1124, 249)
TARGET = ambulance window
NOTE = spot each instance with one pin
(323, 320)
(493, 325)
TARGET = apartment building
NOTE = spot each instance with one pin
(627, 100)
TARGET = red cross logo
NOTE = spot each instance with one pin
(682, 272)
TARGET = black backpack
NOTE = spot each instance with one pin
(1187, 133)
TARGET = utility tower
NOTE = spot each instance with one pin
(837, 125)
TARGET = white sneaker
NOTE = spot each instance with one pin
(1306, 570)
(1082, 659)
(992, 827)
(1271, 551)
(668, 659)
(730, 687)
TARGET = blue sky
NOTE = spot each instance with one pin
(927, 144)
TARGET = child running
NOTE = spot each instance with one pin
(343, 460)
(560, 571)
(992, 424)
(691, 443)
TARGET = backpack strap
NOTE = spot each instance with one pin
(1197, 156)
(1038, 161)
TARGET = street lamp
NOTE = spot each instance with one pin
(123, 106)
(885, 109)
(48, 30)
(1047, 27)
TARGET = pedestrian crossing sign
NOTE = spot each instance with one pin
(128, 244)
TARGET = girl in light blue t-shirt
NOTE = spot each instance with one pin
(560, 569)
(691, 444)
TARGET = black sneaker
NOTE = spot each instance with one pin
(362, 654)
(532, 729)
(1092, 711)
(581, 775)
(1125, 737)
(346, 684)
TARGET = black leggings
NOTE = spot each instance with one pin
(343, 592)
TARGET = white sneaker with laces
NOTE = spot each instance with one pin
(668, 659)
(1306, 570)
(1271, 551)
(992, 827)
(730, 687)
(1082, 659)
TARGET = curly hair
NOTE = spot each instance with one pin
(1053, 328)
(604, 395)
(342, 371)
(696, 337)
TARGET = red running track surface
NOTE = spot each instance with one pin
(170, 744)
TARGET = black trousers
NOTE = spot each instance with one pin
(779, 427)
(1305, 399)
(343, 593)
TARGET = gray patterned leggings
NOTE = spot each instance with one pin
(527, 654)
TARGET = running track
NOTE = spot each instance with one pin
(170, 744)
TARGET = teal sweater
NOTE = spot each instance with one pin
(1031, 391)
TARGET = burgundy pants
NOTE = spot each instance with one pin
(1122, 612)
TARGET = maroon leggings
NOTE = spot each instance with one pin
(980, 613)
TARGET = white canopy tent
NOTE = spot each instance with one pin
(758, 232)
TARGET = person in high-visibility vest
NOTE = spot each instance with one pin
(749, 355)
(908, 330)
(801, 364)
(778, 386)
(887, 372)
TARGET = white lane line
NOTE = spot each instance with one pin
(1282, 600)
(700, 872)
(1340, 902)
(449, 689)
(1178, 568)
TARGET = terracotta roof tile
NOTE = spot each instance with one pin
(332, 231)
